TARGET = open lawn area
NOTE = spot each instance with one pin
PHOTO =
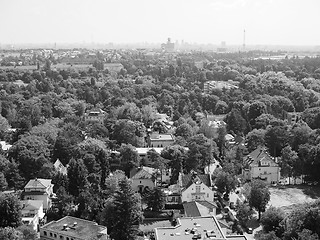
(286, 197)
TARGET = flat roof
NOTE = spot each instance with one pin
(200, 225)
(84, 229)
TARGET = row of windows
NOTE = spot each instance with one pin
(55, 236)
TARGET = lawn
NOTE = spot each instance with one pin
(287, 197)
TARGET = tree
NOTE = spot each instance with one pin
(129, 132)
(123, 212)
(27, 232)
(31, 153)
(200, 154)
(225, 182)
(235, 122)
(3, 182)
(77, 175)
(266, 236)
(276, 138)
(255, 138)
(10, 210)
(155, 199)
(272, 220)
(305, 216)
(244, 214)
(129, 158)
(255, 110)
(10, 233)
(289, 159)
(184, 130)
(259, 196)
(176, 156)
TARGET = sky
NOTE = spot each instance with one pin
(266, 22)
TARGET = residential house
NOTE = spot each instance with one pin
(199, 209)
(196, 187)
(163, 175)
(212, 85)
(155, 139)
(71, 228)
(96, 115)
(39, 189)
(60, 167)
(143, 179)
(32, 213)
(260, 165)
(191, 228)
(113, 67)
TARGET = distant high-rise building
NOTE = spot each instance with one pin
(169, 46)
(223, 47)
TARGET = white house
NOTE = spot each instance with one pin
(143, 179)
(39, 189)
(159, 140)
(60, 167)
(96, 115)
(260, 165)
(196, 187)
(32, 213)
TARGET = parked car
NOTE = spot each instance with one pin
(249, 230)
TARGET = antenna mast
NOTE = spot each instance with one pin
(244, 39)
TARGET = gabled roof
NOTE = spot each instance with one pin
(38, 183)
(188, 179)
(142, 174)
(260, 154)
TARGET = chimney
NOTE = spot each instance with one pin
(65, 227)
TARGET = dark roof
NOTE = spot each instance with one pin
(188, 179)
(38, 183)
(142, 174)
(83, 229)
(208, 204)
(191, 209)
(260, 154)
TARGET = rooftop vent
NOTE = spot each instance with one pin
(65, 227)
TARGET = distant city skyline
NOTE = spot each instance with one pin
(266, 22)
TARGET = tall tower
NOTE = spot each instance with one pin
(244, 39)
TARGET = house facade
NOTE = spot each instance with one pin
(143, 179)
(96, 115)
(260, 165)
(157, 140)
(196, 187)
(39, 189)
(32, 213)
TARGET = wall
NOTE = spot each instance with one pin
(144, 182)
(271, 173)
(189, 194)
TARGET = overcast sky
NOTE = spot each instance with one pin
(272, 22)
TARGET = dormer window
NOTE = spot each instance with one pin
(264, 163)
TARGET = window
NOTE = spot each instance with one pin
(68, 238)
(55, 235)
(61, 237)
(45, 233)
(50, 234)
(198, 189)
(207, 194)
